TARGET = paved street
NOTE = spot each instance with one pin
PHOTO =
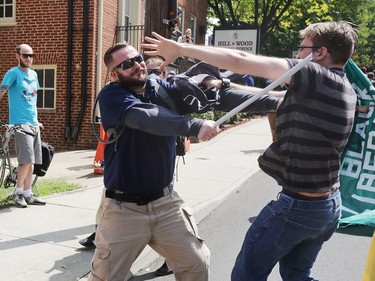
(341, 259)
(46, 237)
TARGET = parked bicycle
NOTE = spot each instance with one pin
(6, 162)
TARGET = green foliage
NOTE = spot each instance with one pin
(42, 188)
(49, 187)
(216, 115)
(227, 11)
(366, 25)
(207, 116)
(280, 21)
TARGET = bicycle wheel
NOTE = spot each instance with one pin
(3, 166)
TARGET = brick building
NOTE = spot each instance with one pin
(69, 38)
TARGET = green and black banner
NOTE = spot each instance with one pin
(357, 174)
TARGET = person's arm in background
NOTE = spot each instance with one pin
(234, 60)
(217, 83)
(3, 90)
(271, 115)
(8, 80)
(254, 90)
(158, 120)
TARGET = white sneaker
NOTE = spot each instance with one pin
(34, 200)
(19, 200)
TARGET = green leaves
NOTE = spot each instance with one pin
(280, 20)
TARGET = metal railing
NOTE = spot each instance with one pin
(132, 34)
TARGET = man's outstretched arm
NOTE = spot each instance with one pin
(234, 60)
(161, 121)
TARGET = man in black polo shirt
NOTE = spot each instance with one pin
(141, 208)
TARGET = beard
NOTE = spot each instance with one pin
(22, 64)
(133, 81)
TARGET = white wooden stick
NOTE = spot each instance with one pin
(270, 87)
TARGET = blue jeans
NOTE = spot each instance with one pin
(289, 231)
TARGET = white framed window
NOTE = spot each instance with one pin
(126, 11)
(7, 12)
(47, 83)
(193, 26)
(124, 19)
(182, 20)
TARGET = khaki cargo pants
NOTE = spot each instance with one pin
(166, 225)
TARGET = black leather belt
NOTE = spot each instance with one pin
(139, 199)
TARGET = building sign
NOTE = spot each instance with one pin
(294, 54)
(240, 39)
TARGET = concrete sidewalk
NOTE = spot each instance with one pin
(41, 242)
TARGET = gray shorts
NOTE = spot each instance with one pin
(28, 144)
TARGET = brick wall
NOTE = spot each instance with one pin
(44, 26)
(197, 8)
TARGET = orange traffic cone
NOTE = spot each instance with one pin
(99, 155)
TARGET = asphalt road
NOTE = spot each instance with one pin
(341, 259)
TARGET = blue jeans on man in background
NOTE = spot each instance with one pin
(289, 231)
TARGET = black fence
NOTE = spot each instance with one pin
(132, 34)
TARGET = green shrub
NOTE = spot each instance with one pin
(216, 115)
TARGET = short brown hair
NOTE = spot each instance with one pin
(111, 50)
(155, 60)
(338, 37)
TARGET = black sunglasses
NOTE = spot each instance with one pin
(155, 71)
(24, 56)
(300, 48)
(129, 63)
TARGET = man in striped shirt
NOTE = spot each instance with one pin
(313, 125)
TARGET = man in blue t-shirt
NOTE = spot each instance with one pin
(21, 83)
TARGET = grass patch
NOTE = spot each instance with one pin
(41, 188)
